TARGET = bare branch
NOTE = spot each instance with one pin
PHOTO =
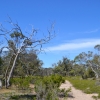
(17, 47)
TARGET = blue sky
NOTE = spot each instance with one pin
(77, 24)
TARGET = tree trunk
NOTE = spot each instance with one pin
(0, 84)
(96, 74)
(8, 79)
(7, 71)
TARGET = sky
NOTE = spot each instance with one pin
(76, 24)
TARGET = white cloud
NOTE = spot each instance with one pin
(93, 31)
(87, 32)
(75, 45)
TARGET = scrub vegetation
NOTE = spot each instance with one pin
(23, 77)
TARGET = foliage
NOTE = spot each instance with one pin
(89, 60)
(27, 64)
(21, 82)
(88, 74)
(17, 42)
(63, 67)
(23, 97)
(77, 70)
(47, 87)
(46, 71)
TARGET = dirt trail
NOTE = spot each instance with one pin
(76, 94)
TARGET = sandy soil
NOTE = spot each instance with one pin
(76, 94)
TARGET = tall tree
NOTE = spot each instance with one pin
(63, 66)
(89, 60)
(18, 42)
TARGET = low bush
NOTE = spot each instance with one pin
(47, 87)
(21, 82)
(23, 97)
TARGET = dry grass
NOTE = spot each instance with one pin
(6, 93)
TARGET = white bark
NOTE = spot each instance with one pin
(0, 84)
(96, 74)
(22, 45)
(12, 69)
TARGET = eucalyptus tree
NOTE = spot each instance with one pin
(27, 64)
(63, 66)
(97, 47)
(89, 60)
(18, 41)
(31, 63)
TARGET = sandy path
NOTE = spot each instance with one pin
(76, 94)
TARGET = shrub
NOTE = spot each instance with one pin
(22, 97)
(21, 82)
(47, 87)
